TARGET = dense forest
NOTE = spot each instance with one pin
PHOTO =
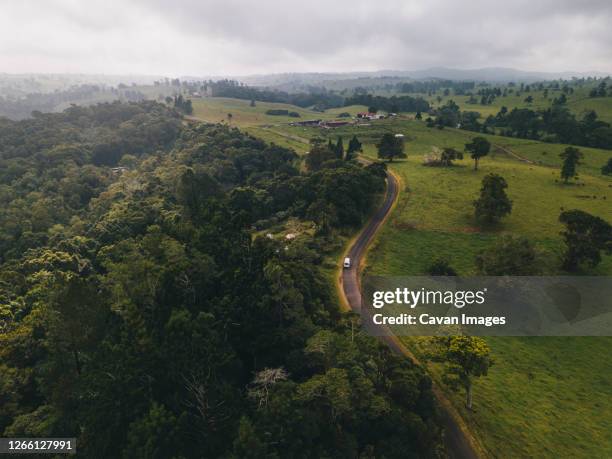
(394, 104)
(22, 106)
(319, 98)
(555, 124)
(144, 311)
(432, 86)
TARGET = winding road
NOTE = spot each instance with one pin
(459, 442)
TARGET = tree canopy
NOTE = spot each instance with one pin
(586, 237)
(508, 256)
(466, 358)
(144, 298)
(571, 159)
(478, 147)
(390, 146)
(493, 202)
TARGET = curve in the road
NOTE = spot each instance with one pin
(459, 443)
(350, 276)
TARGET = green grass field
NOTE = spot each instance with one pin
(435, 213)
(544, 397)
(578, 102)
(254, 120)
(602, 105)
(216, 109)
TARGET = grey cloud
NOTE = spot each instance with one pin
(232, 36)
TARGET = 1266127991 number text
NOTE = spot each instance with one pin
(38, 445)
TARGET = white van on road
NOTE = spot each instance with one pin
(347, 262)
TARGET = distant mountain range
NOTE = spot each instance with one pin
(500, 74)
(20, 84)
(491, 74)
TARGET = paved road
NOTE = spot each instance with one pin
(457, 443)
(350, 277)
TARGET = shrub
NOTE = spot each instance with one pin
(277, 112)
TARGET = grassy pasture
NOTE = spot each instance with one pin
(509, 101)
(215, 110)
(277, 136)
(602, 105)
(544, 397)
(435, 213)
(420, 140)
(547, 154)
(577, 103)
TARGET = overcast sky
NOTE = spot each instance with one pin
(239, 37)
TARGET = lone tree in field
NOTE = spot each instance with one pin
(478, 147)
(508, 256)
(354, 146)
(571, 159)
(466, 358)
(390, 147)
(441, 267)
(449, 155)
(493, 202)
(607, 168)
(585, 236)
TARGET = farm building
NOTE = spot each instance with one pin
(334, 124)
(306, 123)
(370, 116)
